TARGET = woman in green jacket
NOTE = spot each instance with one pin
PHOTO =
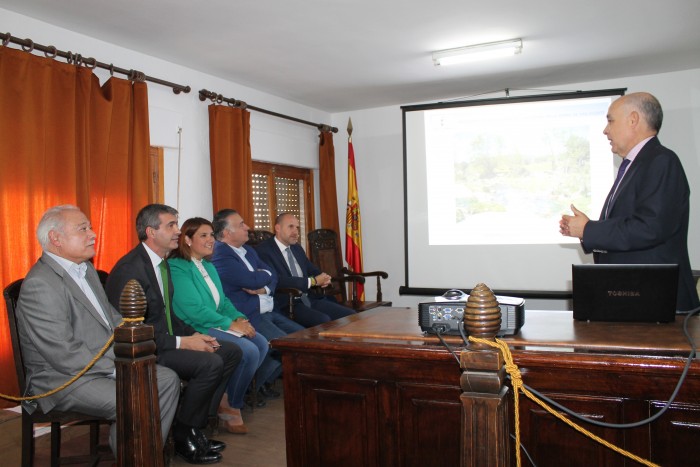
(199, 301)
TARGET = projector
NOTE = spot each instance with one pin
(445, 314)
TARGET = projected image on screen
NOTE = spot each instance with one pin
(488, 180)
(490, 169)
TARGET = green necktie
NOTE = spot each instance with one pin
(166, 294)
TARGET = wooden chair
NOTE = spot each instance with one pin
(55, 418)
(257, 236)
(325, 252)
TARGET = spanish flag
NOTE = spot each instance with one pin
(353, 226)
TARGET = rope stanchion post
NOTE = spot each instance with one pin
(485, 430)
(138, 411)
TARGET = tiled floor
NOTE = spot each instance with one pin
(263, 446)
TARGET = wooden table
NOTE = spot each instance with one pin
(373, 390)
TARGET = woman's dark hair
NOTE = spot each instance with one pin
(188, 229)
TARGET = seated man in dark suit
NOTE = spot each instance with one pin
(199, 359)
(294, 269)
(64, 320)
(250, 283)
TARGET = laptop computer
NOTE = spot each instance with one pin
(641, 293)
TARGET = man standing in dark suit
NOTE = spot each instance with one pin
(199, 359)
(64, 319)
(294, 269)
(645, 217)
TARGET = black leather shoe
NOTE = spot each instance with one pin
(259, 403)
(190, 451)
(216, 446)
(268, 392)
(207, 444)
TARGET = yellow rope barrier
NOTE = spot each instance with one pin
(81, 373)
(517, 382)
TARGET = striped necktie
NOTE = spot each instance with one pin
(292, 263)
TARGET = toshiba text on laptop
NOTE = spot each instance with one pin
(644, 293)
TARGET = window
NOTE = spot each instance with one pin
(282, 188)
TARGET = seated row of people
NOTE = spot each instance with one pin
(212, 320)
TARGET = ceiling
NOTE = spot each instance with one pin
(343, 55)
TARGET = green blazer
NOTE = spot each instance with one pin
(192, 300)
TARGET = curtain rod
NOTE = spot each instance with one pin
(50, 51)
(218, 99)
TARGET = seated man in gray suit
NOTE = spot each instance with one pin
(64, 319)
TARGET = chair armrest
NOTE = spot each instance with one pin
(293, 293)
(381, 274)
(378, 274)
(349, 277)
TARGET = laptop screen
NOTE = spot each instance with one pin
(644, 293)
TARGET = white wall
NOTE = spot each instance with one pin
(377, 141)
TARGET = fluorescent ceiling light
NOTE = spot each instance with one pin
(477, 52)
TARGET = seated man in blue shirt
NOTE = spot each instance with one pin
(250, 284)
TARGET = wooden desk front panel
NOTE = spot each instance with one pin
(346, 411)
(359, 392)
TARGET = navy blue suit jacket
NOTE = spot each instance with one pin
(235, 276)
(647, 222)
(271, 254)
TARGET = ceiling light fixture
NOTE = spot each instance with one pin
(477, 52)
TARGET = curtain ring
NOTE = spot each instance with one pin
(6, 39)
(69, 57)
(219, 99)
(135, 75)
(242, 105)
(51, 52)
(90, 63)
(111, 69)
(77, 59)
(29, 47)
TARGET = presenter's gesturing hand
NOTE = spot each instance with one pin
(573, 226)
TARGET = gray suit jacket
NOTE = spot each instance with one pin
(60, 331)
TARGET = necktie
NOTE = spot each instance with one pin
(166, 294)
(620, 173)
(296, 273)
(292, 263)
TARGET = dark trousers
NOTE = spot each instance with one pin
(206, 374)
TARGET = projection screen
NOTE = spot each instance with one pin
(486, 182)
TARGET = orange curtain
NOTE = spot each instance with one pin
(66, 140)
(328, 188)
(231, 162)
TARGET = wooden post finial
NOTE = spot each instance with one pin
(139, 439)
(482, 316)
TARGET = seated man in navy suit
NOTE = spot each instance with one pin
(294, 269)
(250, 284)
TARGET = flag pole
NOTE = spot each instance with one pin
(353, 225)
